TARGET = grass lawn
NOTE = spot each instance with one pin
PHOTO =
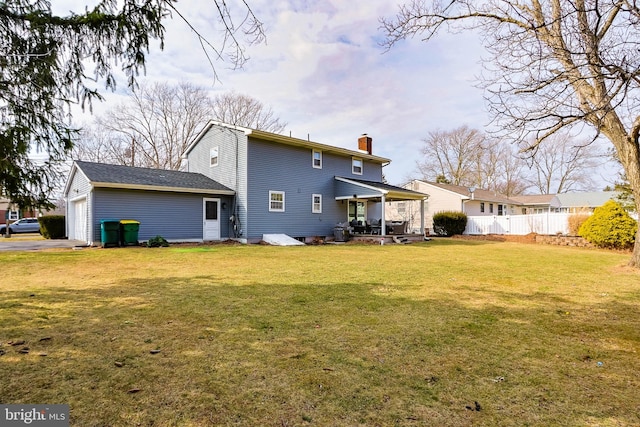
(443, 333)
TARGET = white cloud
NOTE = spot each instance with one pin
(323, 71)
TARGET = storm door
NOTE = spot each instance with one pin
(211, 215)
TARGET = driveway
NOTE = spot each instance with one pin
(34, 242)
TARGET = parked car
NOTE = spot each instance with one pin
(24, 225)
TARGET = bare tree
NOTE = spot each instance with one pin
(562, 165)
(156, 125)
(152, 129)
(452, 154)
(487, 165)
(244, 110)
(96, 144)
(552, 64)
(511, 178)
(466, 156)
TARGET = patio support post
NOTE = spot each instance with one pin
(422, 217)
(383, 223)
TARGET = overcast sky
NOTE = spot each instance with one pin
(322, 70)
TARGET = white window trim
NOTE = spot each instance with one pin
(313, 203)
(313, 159)
(215, 150)
(272, 193)
(13, 215)
(353, 160)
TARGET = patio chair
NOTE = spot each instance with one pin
(399, 227)
(374, 226)
(358, 227)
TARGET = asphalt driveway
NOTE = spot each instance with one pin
(34, 242)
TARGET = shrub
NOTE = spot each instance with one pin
(52, 226)
(156, 242)
(448, 223)
(610, 226)
(575, 222)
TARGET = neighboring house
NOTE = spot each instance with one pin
(580, 202)
(10, 212)
(536, 203)
(448, 197)
(564, 202)
(7, 212)
(490, 212)
(240, 183)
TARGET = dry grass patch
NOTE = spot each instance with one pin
(443, 333)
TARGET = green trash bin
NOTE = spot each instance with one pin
(129, 229)
(110, 232)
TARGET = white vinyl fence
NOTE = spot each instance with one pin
(545, 223)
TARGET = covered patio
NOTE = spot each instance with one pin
(365, 203)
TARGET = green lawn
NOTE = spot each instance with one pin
(443, 333)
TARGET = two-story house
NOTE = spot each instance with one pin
(238, 183)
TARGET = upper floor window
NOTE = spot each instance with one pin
(481, 206)
(317, 159)
(276, 201)
(213, 157)
(490, 207)
(356, 166)
(13, 215)
(316, 203)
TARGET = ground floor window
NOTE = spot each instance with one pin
(316, 203)
(276, 201)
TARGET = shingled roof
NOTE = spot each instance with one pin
(103, 175)
(478, 194)
(391, 192)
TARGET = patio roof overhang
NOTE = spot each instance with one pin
(349, 188)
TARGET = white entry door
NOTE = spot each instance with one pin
(79, 220)
(211, 215)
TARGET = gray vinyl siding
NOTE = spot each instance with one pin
(174, 216)
(231, 170)
(278, 167)
(78, 188)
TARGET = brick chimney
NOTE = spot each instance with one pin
(364, 143)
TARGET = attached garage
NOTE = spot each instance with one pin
(179, 206)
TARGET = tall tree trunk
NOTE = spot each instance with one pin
(628, 149)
